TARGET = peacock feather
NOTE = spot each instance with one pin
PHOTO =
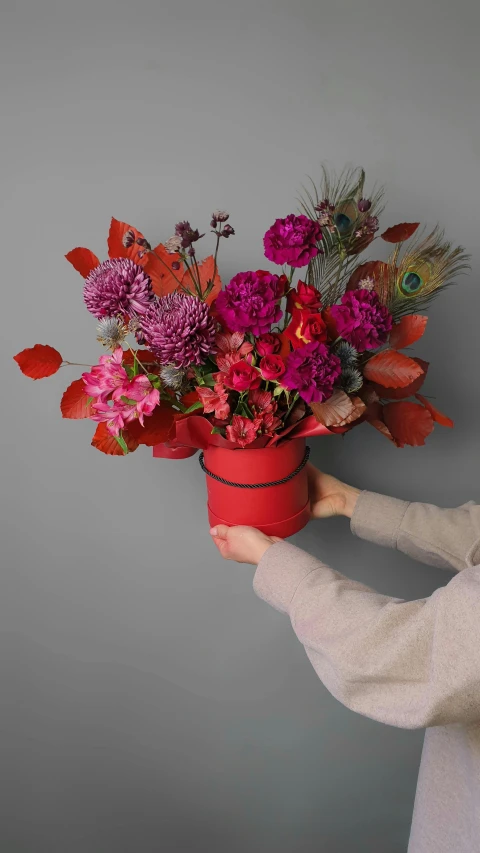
(417, 270)
(344, 220)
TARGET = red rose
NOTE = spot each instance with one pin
(242, 377)
(269, 344)
(305, 296)
(272, 367)
(306, 327)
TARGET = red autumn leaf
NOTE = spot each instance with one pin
(205, 269)
(374, 416)
(83, 260)
(437, 416)
(143, 355)
(158, 265)
(409, 423)
(392, 369)
(334, 411)
(39, 361)
(408, 330)
(332, 330)
(116, 247)
(157, 427)
(399, 233)
(408, 390)
(106, 443)
(370, 269)
(74, 403)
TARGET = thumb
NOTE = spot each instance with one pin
(220, 531)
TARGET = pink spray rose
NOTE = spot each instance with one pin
(242, 377)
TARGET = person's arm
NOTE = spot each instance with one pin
(407, 664)
(447, 538)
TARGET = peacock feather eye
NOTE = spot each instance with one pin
(346, 213)
(411, 284)
(343, 223)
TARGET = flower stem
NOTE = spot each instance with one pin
(75, 364)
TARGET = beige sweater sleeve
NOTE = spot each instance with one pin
(410, 664)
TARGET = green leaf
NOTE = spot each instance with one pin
(122, 444)
(279, 390)
(128, 402)
(129, 370)
(197, 405)
(209, 380)
(90, 400)
(217, 431)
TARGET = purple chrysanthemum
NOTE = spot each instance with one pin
(312, 370)
(362, 320)
(292, 240)
(180, 330)
(117, 287)
(250, 302)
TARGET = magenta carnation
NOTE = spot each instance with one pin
(292, 241)
(118, 286)
(312, 370)
(179, 329)
(250, 302)
(362, 320)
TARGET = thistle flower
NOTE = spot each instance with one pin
(173, 377)
(118, 286)
(187, 234)
(351, 380)
(367, 283)
(111, 332)
(347, 354)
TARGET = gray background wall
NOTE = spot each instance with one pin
(150, 701)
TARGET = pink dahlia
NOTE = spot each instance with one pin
(312, 370)
(250, 302)
(179, 329)
(362, 320)
(118, 286)
(292, 241)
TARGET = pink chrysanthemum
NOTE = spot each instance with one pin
(117, 287)
(180, 330)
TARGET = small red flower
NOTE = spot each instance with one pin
(269, 344)
(243, 431)
(270, 423)
(214, 400)
(305, 296)
(242, 377)
(272, 367)
(261, 402)
(306, 327)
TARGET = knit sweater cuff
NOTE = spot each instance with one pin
(280, 572)
(378, 518)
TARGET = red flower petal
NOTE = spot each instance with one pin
(437, 416)
(407, 331)
(74, 403)
(106, 443)
(409, 423)
(399, 233)
(392, 369)
(39, 361)
(83, 260)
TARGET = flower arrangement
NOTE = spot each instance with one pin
(313, 347)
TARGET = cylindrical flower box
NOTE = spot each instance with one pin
(173, 451)
(253, 495)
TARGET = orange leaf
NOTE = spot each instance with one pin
(116, 248)
(74, 403)
(392, 369)
(158, 265)
(399, 233)
(408, 390)
(334, 411)
(39, 361)
(408, 330)
(437, 416)
(83, 260)
(157, 427)
(205, 268)
(409, 423)
(106, 443)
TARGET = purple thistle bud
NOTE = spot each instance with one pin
(128, 238)
(175, 265)
(372, 223)
(364, 205)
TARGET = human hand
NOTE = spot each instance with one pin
(241, 544)
(329, 496)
